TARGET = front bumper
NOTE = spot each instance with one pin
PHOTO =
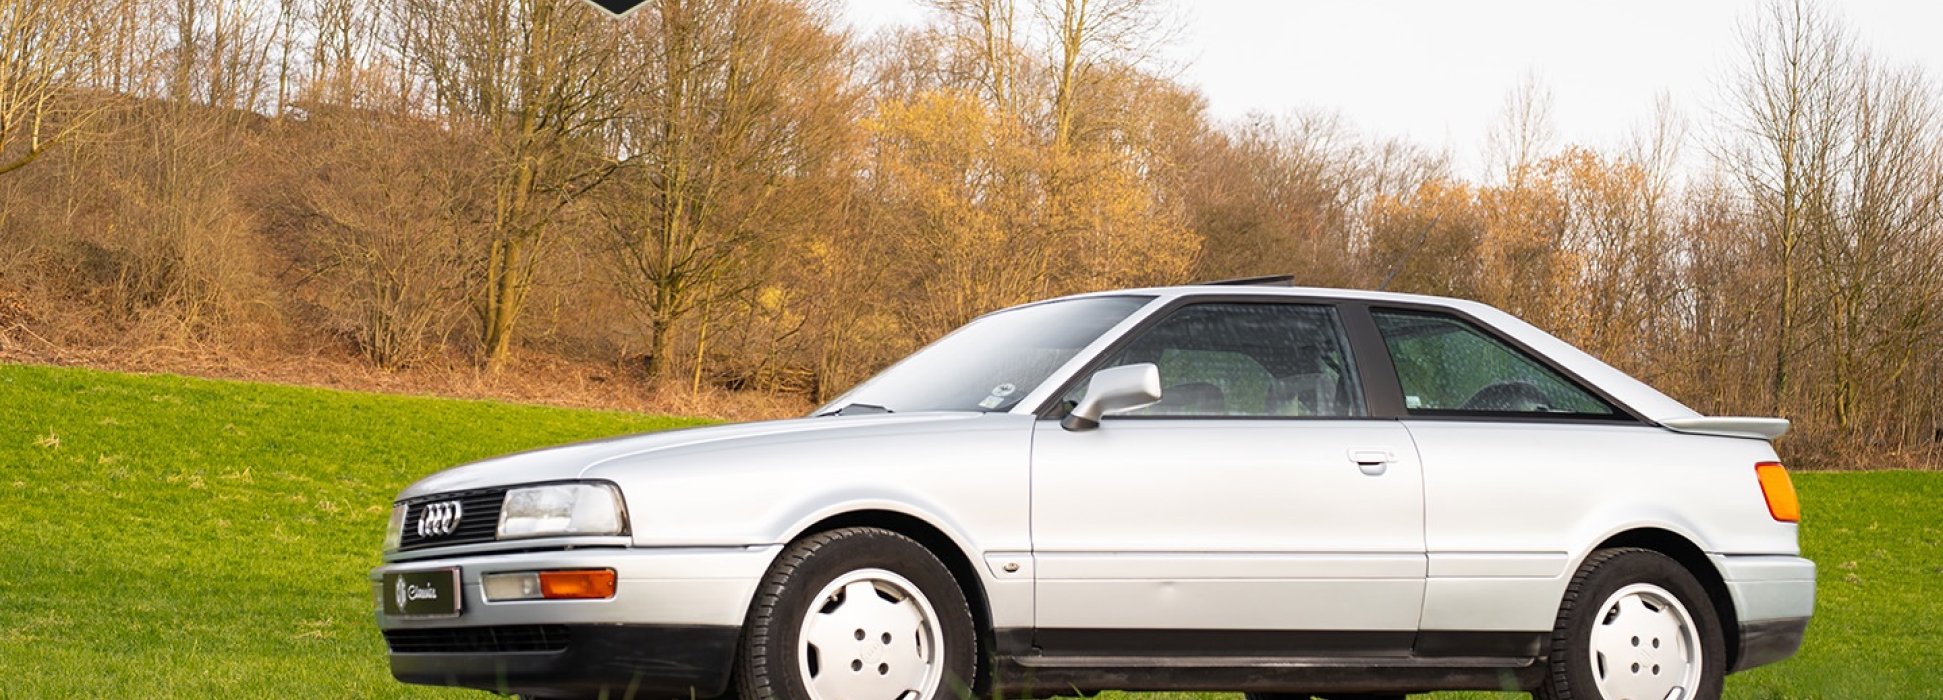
(632, 661)
(1774, 597)
(669, 631)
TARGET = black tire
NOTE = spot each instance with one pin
(767, 665)
(1569, 673)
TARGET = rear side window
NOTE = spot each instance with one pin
(1449, 367)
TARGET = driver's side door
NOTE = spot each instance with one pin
(1256, 507)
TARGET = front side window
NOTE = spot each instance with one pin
(1247, 360)
(1449, 367)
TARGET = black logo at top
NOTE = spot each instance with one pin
(617, 7)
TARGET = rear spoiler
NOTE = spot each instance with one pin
(1729, 426)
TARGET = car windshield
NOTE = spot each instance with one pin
(992, 362)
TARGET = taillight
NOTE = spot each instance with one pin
(1779, 490)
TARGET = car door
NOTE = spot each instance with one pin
(1256, 509)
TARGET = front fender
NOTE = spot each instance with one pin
(968, 476)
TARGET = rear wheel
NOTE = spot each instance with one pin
(1635, 625)
(857, 614)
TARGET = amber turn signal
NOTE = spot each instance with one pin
(1780, 492)
(592, 583)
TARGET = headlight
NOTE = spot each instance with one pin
(562, 509)
(396, 530)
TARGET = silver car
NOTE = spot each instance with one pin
(1274, 490)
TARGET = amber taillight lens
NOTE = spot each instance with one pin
(1779, 491)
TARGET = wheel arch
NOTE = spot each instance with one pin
(1689, 555)
(941, 545)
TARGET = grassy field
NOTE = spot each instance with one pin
(171, 537)
(183, 538)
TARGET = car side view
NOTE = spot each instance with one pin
(1273, 490)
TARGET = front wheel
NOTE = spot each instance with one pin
(857, 614)
(1635, 625)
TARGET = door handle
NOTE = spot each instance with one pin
(1371, 462)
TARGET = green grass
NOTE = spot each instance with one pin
(170, 537)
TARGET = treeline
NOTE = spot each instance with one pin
(741, 194)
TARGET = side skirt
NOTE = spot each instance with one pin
(1087, 661)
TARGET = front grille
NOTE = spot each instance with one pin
(478, 519)
(478, 640)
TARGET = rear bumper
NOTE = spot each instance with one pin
(1767, 641)
(1774, 597)
(637, 661)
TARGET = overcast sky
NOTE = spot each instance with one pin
(1437, 71)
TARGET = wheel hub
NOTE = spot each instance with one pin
(1645, 646)
(870, 635)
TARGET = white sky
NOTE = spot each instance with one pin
(1437, 71)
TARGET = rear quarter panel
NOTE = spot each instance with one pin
(1512, 508)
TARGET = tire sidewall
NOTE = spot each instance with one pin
(823, 559)
(1609, 572)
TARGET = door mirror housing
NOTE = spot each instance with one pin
(1115, 390)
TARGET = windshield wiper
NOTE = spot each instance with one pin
(855, 408)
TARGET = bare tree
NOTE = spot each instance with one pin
(536, 80)
(1287, 195)
(1523, 134)
(983, 33)
(1870, 260)
(387, 199)
(737, 102)
(1087, 35)
(44, 46)
(222, 53)
(1791, 101)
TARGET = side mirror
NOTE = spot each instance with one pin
(1115, 390)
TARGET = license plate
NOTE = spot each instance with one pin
(429, 593)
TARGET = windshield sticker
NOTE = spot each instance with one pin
(1004, 390)
(991, 402)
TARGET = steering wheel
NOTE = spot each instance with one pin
(1515, 395)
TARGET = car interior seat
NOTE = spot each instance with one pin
(1191, 399)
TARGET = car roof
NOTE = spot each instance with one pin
(1639, 396)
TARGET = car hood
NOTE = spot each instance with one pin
(575, 460)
